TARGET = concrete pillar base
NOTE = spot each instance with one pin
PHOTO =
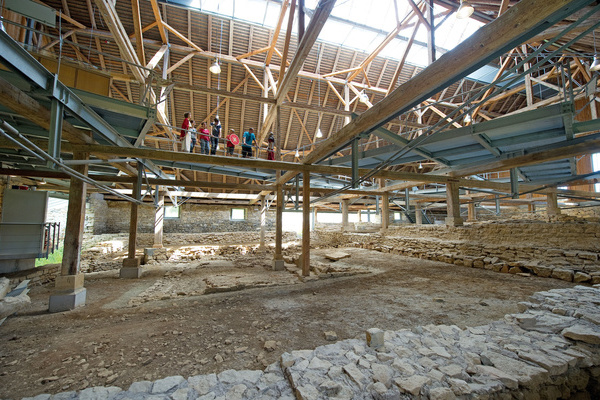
(131, 268)
(262, 249)
(278, 265)
(130, 273)
(67, 300)
(454, 221)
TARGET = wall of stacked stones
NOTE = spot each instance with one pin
(113, 217)
(565, 250)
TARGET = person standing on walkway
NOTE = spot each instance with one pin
(230, 144)
(185, 125)
(248, 141)
(204, 138)
(216, 133)
(192, 136)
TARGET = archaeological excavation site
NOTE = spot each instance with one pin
(299, 199)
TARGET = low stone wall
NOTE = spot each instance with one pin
(550, 350)
(568, 251)
(38, 276)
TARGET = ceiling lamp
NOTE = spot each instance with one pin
(468, 119)
(319, 133)
(465, 10)
(595, 65)
(420, 165)
(215, 68)
(362, 96)
(297, 154)
(42, 182)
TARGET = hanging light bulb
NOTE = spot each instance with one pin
(468, 119)
(215, 68)
(420, 165)
(595, 65)
(42, 182)
(319, 133)
(362, 96)
(297, 154)
(465, 10)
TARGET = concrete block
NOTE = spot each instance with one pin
(130, 272)
(278, 265)
(66, 301)
(69, 283)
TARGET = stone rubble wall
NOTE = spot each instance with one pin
(549, 350)
(568, 251)
(39, 276)
(113, 217)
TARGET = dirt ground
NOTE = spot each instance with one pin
(166, 324)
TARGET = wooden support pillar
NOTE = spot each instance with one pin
(418, 214)
(263, 223)
(131, 265)
(430, 33)
(159, 218)
(69, 291)
(472, 216)
(552, 204)
(345, 208)
(385, 210)
(306, 224)
(359, 212)
(453, 205)
(278, 257)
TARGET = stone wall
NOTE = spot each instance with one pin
(550, 350)
(38, 276)
(569, 251)
(113, 217)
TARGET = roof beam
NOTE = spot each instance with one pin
(309, 38)
(518, 24)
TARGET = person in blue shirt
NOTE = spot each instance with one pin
(248, 140)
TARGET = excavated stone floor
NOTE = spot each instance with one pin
(129, 333)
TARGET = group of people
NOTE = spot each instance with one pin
(209, 139)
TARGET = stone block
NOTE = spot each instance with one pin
(66, 301)
(582, 333)
(375, 338)
(563, 274)
(68, 282)
(278, 265)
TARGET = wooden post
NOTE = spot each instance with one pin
(471, 212)
(418, 214)
(131, 264)
(552, 204)
(69, 291)
(75, 220)
(385, 210)
(306, 224)
(345, 207)
(159, 217)
(472, 215)
(263, 222)
(453, 205)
